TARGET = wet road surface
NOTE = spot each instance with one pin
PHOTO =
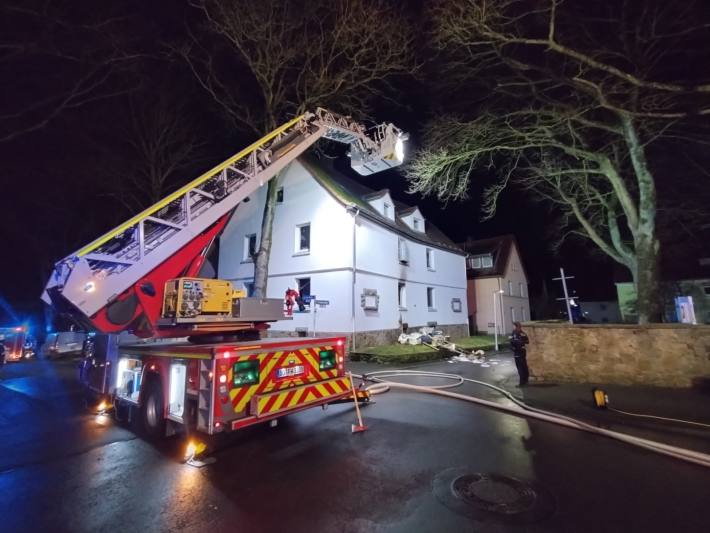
(62, 469)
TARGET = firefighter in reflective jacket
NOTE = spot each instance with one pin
(293, 298)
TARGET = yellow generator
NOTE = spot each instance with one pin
(192, 297)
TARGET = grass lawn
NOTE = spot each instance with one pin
(408, 353)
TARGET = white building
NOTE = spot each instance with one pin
(378, 263)
(496, 280)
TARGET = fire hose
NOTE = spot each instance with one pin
(520, 408)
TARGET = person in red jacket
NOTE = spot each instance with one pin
(292, 298)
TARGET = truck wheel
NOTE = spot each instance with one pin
(152, 411)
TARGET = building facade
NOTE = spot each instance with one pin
(379, 265)
(497, 285)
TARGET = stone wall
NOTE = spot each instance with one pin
(667, 355)
(377, 337)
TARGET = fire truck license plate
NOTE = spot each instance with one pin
(290, 371)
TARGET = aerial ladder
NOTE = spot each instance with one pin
(118, 282)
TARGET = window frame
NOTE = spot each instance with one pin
(430, 262)
(402, 295)
(521, 285)
(247, 255)
(298, 286)
(489, 257)
(298, 239)
(402, 247)
(431, 298)
(249, 287)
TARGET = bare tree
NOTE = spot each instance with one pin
(55, 59)
(276, 59)
(157, 142)
(575, 99)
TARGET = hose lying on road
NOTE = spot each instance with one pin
(654, 417)
(520, 408)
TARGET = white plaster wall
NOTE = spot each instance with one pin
(485, 288)
(521, 304)
(329, 262)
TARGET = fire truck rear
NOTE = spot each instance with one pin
(172, 387)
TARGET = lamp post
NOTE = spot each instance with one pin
(495, 316)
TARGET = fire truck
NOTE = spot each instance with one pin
(13, 340)
(181, 352)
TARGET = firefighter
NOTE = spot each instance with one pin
(518, 340)
(292, 298)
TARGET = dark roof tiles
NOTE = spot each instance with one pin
(349, 192)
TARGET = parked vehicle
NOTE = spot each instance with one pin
(62, 344)
(13, 341)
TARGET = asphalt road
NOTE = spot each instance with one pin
(62, 469)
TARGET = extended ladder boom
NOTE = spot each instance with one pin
(100, 272)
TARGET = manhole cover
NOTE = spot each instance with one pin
(487, 496)
(491, 492)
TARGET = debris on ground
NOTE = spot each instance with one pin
(436, 339)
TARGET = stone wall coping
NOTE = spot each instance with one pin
(566, 325)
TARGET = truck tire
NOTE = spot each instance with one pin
(152, 420)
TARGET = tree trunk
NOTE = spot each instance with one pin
(647, 247)
(261, 260)
(648, 302)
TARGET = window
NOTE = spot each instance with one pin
(512, 314)
(430, 298)
(456, 305)
(304, 286)
(522, 314)
(474, 262)
(249, 247)
(522, 290)
(280, 195)
(303, 238)
(249, 287)
(415, 224)
(402, 295)
(510, 288)
(403, 252)
(430, 259)
(386, 210)
(706, 290)
(480, 261)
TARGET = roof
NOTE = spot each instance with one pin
(349, 192)
(377, 194)
(499, 247)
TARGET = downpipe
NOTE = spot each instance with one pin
(520, 408)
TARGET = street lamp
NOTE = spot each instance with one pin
(495, 316)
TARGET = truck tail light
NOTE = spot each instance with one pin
(327, 359)
(246, 372)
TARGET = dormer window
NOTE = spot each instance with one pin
(416, 224)
(478, 262)
(387, 210)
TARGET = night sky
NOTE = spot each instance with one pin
(64, 160)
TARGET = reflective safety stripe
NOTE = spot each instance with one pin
(274, 402)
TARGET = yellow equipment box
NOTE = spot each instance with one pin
(191, 297)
